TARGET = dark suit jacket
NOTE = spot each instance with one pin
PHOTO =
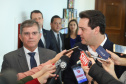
(17, 60)
(68, 76)
(48, 40)
(67, 44)
(55, 41)
(101, 76)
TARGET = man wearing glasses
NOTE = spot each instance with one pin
(30, 55)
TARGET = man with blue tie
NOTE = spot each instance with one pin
(45, 41)
(30, 55)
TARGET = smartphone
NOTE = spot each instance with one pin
(74, 48)
(83, 58)
(119, 49)
(99, 58)
(102, 52)
(79, 74)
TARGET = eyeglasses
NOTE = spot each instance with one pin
(28, 33)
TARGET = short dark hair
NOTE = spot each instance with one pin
(29, 23)
(96, 18)
(36, 11)
(55, 16)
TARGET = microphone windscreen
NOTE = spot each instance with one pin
(65, 58)
(64, 62)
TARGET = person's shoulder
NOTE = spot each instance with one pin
(46, 50)
(13, 53)
(45, 30)
(109, 43)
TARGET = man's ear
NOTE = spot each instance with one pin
(20, 37)
(97, 29)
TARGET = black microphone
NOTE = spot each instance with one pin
(61, 65)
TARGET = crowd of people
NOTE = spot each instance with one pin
(34, 62)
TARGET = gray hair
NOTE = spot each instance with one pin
(28, 23)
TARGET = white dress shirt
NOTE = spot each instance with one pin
(95, 53)
(28, 56)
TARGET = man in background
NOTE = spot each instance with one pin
(57, 37)
(46, 40)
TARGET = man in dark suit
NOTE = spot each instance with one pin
(30, 55)
(92, 32)
(45, 41)
(56, 36)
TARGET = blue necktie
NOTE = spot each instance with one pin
(32, 60)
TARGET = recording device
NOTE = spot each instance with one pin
(79, 74)
(119, 49)
(102, 52)
(60, 66)
(74, 48)
(84, 60)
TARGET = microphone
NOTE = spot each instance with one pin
(61, 65)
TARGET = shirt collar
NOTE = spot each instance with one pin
(102, 44)
(95, 53)
(27, 51)
(55, 33)
(41, 31)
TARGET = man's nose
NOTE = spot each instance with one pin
(37, 20)
(30, 35)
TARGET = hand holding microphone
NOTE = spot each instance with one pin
(61, 65)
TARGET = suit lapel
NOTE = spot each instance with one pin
(108, 45)
(40, 44)
(62, 38)
(55, 39)
(42, 55)
(44, 33)
(45, 36)
(22, 60)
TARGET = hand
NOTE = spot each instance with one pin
(86, 68)
(116, 59)
(64, 53)
(92, 60)
(43, 70)
(43, 79)
(59, 55)
(89, 54)
(48, 68)
(109, 67)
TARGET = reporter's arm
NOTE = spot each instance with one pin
(32, 71)
(59, 55)
(117, 60)
(101, 76)
(24, 80)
